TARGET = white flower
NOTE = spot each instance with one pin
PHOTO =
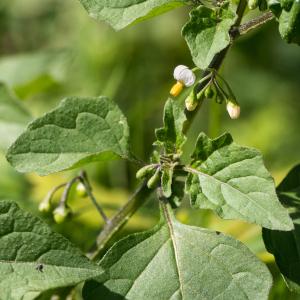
(233, 109)
(184, 75)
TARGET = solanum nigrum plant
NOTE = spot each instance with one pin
(172, 260)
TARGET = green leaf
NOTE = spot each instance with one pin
(207, 33)
(78, 131)
(120, 14)
(233, 181)
(13, 117)
(289, 23)
(166, 181)
(171, 136)
(285, 245)
(27, 242)
(33, 72)
(176, 261)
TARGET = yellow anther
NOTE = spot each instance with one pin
(176, 89)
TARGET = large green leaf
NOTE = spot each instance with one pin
(13, 117)
(78, 131)
(233, 181)
(176, 261)
(26, 243)
(285, 246)
(121, 13)
(207, 33)
(171, 135)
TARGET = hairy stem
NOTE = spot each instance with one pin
(252, 24)
(120, 218)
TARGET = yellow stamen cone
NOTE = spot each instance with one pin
(176, 89)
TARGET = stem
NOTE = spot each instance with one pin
(252, 24)
(215, 64)
(53, 191)
(65, 195)
(84, 180)
(120, 218)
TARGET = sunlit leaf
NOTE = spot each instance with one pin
(233, 181)
(176, 261)
(120, 14)
(78, 131)
(207, 33)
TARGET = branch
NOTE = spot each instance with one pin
(120, 218)
(252, 24)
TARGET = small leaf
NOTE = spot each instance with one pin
(120, 14)
(285, 245)
(13, 117)
(233, 181)
(171, 135)
(78, 131)
(289, 23)
(34, 259)
(176, 261)
(207, 33)
(166, 181)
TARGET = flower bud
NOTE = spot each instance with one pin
(144, 171)
(233, 109)
(152, 182)
(45, 205)
(252, 4)
(209, 92)
(190, 102)
(61, 213)
(81, 190)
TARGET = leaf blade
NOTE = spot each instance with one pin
(233, 181)
(78, 131)
(13, 117)
(120, 14)
(26, 242)
(285, 246)
(207, 33)
(175, 258)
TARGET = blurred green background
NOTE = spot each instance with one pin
(51, 49)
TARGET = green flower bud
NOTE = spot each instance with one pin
(191, 102)
(45, 205)
(252, 4)
(263, 5)
(209, 93)
(81, 190)
(153, 181)
(61, 213)
(144, 171)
